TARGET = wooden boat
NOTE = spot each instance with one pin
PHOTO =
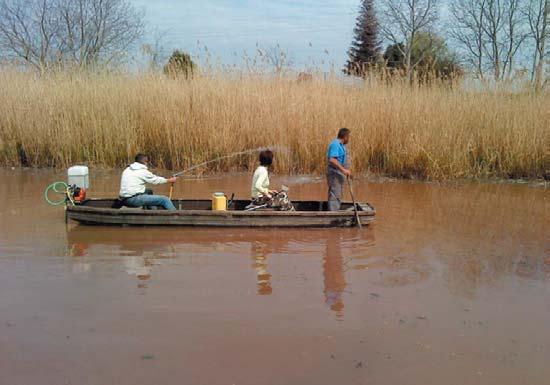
(199, 213)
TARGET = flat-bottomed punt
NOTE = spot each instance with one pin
(199, 213)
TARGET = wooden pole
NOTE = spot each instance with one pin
(171, 190)
(357, 219)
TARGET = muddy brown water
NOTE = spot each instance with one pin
(451, 285)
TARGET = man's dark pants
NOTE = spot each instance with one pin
(335, 180)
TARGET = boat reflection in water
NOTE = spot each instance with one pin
(141, 250)
(335, 265)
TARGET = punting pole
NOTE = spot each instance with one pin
(357, 219)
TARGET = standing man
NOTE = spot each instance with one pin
(337, 169)
(132, 186)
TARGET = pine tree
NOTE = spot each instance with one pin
(365, 48)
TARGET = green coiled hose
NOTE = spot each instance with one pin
(59, 188)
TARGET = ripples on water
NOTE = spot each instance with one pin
(449, 276)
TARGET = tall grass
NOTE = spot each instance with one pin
(427, 132)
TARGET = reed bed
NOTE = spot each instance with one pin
(429, 132)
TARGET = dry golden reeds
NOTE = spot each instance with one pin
(432, 132)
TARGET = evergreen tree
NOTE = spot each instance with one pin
(180, 64)
(365, 48)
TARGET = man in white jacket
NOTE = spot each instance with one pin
(132, 186)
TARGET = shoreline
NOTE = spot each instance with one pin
(309, 178)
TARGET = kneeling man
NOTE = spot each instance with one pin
(132, 186)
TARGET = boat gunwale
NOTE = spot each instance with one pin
(228, 213)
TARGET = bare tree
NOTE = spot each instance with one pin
(276, 57)
(403, 20)
(154, 51)
(27, 31)
(505, 33)
(514, 33)
(490, 32)
(537, 13)
(466, 29)
(46, 33)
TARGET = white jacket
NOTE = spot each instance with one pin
(260, 182)
(134, 178)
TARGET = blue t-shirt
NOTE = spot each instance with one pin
(337, 150)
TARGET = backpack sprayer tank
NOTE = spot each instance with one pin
(78, 180)
(74, 191)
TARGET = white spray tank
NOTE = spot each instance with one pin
(79, 176)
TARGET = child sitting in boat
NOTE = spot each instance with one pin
(262, 195)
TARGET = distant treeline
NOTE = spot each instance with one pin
(492, 40)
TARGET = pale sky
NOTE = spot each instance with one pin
(306, 29)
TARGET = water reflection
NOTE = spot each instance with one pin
(139, 250)
(259, 263)
(474, 259)
(467, 237)
(333, 275)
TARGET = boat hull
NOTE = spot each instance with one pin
(94, 215)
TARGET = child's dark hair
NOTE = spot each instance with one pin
(266, 158)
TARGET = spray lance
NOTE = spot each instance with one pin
(178, 174)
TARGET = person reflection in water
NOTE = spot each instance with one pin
(137, 253)
(333, 276)
(138, 266)
(259, 263)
